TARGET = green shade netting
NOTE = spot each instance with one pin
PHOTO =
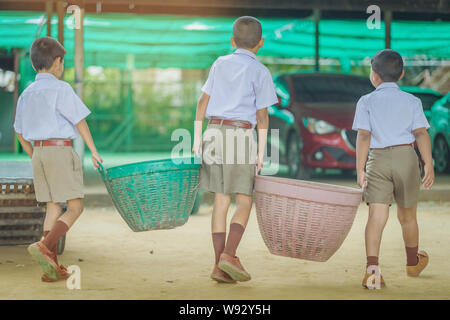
(195, 42)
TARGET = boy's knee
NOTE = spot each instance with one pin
(244, 202)
(76, 207)
(404, 217)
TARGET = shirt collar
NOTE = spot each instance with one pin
(244, 51)
(45, 75)
(387, 85)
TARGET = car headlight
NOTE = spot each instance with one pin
(318, 126)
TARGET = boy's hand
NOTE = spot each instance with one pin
(259, 164)
(96, 159)
(362, 180)
(197, 146)
(428, 179)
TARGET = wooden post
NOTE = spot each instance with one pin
(79, 75)
(387, 23)
(16, 56)
(60, 11)
(316, 14)
(49, 13)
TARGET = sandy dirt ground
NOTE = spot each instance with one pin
(175, 264)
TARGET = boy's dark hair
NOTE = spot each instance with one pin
(44, 51)
(247, 32)
(388, 64)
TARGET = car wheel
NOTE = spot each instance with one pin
(294, 158)
(348, 172)
(441, 155)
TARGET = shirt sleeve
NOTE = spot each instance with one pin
(207, 87)
(362, 118)
(18, 117)
(420, 121)
(265, 91)
(71, 107)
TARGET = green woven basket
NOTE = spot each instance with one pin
(153, 195)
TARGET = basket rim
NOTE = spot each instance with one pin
(320, 193)
(150, 166)
(312, 184)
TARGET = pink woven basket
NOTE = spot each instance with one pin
(305, 220)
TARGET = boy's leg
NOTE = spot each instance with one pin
(219, 222)
(52, 214)
(228, 261)
(238, 222)
(408, 220)
(63, 224)
(378, 216)
(218, 230)
(416, 260)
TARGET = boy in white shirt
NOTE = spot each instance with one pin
(235, 99)
(388, 121)
(49, 116)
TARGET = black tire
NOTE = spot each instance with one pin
(294, 158)
(61, 245)
(348, 172)
(441, 155)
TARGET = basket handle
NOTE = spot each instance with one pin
(101, 170)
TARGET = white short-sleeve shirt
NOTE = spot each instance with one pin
(49, 108)
(239, 85)
(390, 114)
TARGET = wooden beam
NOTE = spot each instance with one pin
(49, 13)
(60, 9)
(316, 15)
(387, 23)
(199, 6)
(79, 74)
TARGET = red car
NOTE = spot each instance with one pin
(314, 117)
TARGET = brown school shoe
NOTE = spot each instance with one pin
(414, 271)
(220, 276)
(366, 277)
(233, 267)
(62, 275)
(44, 257)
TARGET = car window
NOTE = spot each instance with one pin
(330, 88)
(427, 99)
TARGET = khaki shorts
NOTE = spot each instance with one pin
(57, 174)
(393, 173)
(223, 170)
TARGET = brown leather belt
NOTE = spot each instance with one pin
(236, 123)
(401, 145)
(53, 143)
(397, 145)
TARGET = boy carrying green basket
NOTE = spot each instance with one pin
(49, 116)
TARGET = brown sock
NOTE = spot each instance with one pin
(52, 238)
(218, 239)
(372, 261)
(54, 249)
(411, 256)
(234, 237)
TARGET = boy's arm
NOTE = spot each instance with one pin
(198, 123)
(85, 133)
(26, 145)
(262, 120)
(424, 144)
(362, 151)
